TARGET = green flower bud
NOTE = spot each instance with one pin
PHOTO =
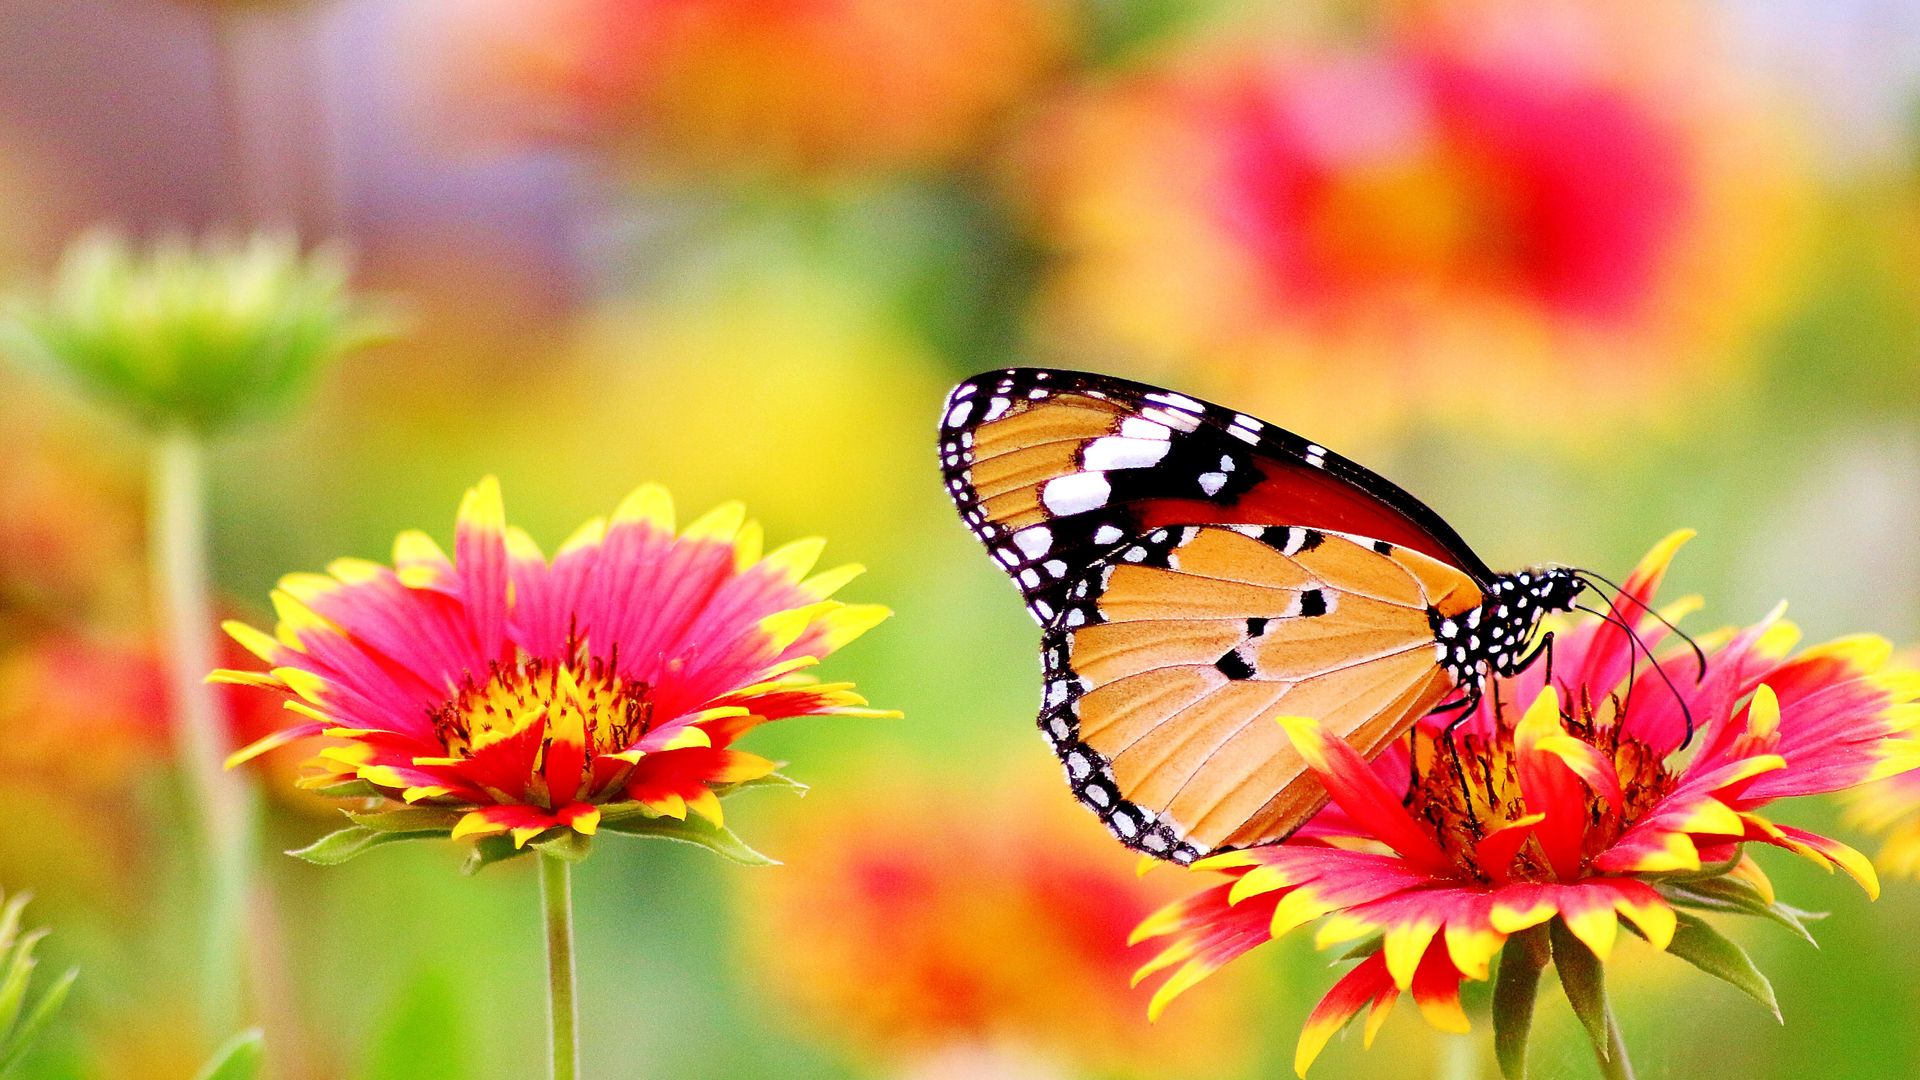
(201, 336)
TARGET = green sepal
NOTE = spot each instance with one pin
(408, 819)
(1515, 991)
(1732, 896)
(1363, 950)
(694, 830)
(564, 844)
(354, 841)
(239, 1058)
(1701, 945)
(349, 789)
(488, 850)
(1583, 979)
(771, 780)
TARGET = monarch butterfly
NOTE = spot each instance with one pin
(1196, 572)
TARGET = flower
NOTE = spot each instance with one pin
(500, 694)
(200, 336)
(1556, 822)
(1494, 212)
(941, 947)
(807, 87)
(1891, 806)
(59, 691)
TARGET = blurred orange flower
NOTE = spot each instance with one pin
(808, 86)
(990, 946)
(1507, 214)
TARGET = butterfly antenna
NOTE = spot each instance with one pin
(1594, 581)
(1633, 639)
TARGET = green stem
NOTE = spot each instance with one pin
(563, 1016)
(177, 542)
(1459, 1058)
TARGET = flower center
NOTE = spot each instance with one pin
(578, 694)
(1468, 787)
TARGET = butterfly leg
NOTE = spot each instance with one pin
(1466, 705)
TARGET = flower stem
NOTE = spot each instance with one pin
(177, 543)
(1615, 1065)
(563, 1017)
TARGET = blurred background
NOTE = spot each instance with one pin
(1576, 273)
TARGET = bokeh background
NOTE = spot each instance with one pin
(1577, 273)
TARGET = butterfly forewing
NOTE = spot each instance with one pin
(1051, 468)
(1176, 649)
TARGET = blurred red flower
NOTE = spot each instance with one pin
(992, 941)
(1504, 214)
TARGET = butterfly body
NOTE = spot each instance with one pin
(1197, 572)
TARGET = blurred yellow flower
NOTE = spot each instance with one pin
(785, 86)
(1501, 214)
(963, 931)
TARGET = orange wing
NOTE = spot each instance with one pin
(1180, 646)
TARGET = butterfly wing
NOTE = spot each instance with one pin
(1050, 468)
(1175, 651)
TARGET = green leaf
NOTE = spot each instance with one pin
(425, 1032)
(694, 830)
(1735, 897)
(565, 844)
(239, 1058)
(409, 819)
(1515, 991)
(21, 1039)
(1719, 956)
(1584, 981)
(489, 850)
(771, 780)
(353, 842)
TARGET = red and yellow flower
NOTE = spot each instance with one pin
(1587, 806)
(1469, 213)
(513, 694)
(941, 947)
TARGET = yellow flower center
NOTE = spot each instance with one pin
(1467, 787)
(582, 694)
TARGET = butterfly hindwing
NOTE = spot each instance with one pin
(1051, 468)
(1177, 647)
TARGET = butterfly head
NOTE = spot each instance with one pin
(1555, 588)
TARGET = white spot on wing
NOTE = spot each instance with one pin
(1115, 452)
(1212, 482)
(1034, 541)
(1076, 493)
(1107, 534)
(959, 414)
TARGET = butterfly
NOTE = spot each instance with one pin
(1196, 573)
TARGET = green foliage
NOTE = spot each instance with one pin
(239, 1058)
(1515, 991)
(1707, 949)
(198, 336)
(21, 1025)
